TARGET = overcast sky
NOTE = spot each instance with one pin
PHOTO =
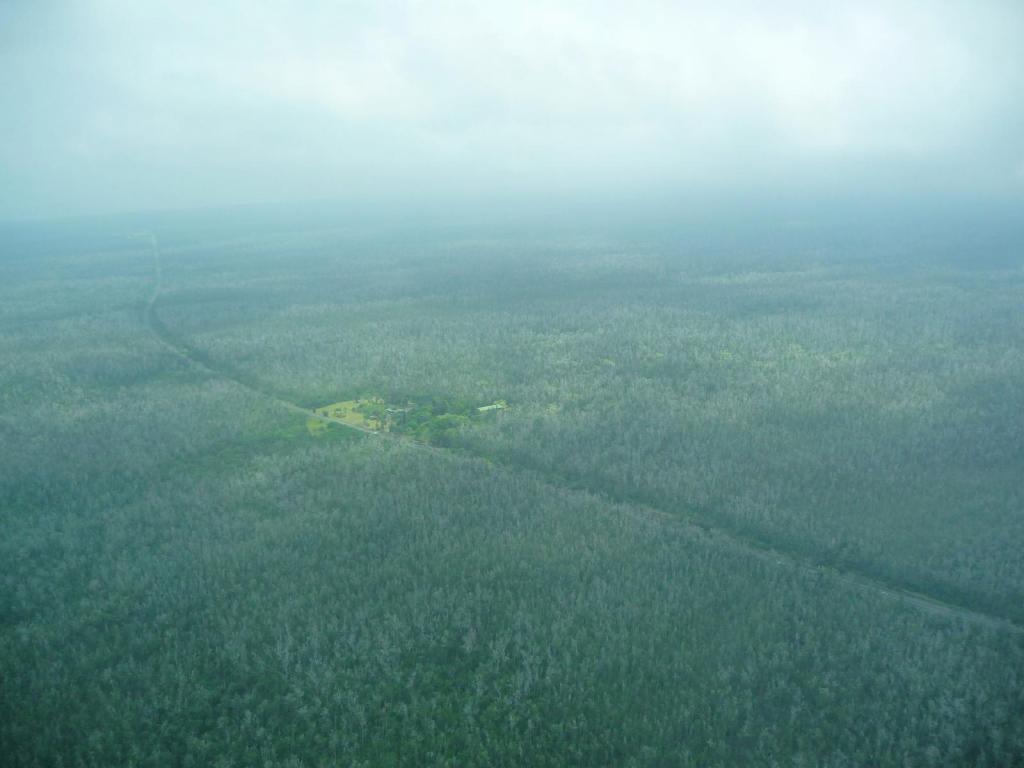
(112, 105)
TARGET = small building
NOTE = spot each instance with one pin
(497, 405)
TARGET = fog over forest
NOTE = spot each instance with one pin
(512, 384)
(112, 105)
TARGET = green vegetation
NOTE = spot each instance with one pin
(437, 419)
(195, 574)
(366, 413)
(426, 419)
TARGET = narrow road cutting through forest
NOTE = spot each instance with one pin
(701, 530)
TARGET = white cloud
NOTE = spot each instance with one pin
(597, 90)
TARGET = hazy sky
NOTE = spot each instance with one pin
(111, 105)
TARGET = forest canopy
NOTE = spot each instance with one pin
(315, 496)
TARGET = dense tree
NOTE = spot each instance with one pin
(615, 570)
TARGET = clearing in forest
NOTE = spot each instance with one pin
(425, 419)
(366, 413)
